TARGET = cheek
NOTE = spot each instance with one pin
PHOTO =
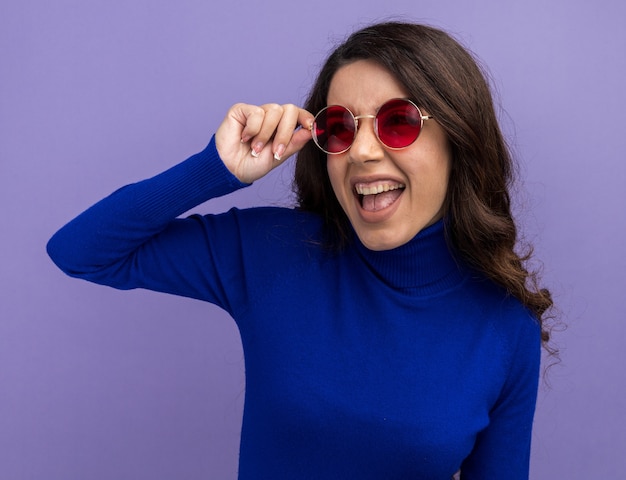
(444, 174)
(439, 186)
(438, 161)
(441, 177)
(429, 178)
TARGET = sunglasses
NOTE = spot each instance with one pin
(397, 124)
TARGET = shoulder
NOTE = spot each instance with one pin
(502, 310)
(265, 229)
(514, 328)
(276, 215)
(277, 223)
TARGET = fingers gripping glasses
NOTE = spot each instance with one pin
(397, 124)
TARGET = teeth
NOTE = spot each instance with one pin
(374, 189)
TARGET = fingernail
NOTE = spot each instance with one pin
(256, 149)
(245, 139)
(254, 153)
(279, 152)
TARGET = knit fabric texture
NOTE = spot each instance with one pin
(359, 364)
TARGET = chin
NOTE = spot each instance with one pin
(387, 237)
(381, 241)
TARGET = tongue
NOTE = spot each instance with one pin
(373, 203)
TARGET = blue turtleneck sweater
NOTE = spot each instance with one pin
(359, 365)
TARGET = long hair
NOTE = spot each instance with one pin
(447, 82)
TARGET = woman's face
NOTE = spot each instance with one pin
(416, 177)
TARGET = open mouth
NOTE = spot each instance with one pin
(378, 196)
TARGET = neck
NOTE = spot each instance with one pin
(424, 266)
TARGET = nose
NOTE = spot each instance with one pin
(366, 146)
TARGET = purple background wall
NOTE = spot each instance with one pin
(101, 384)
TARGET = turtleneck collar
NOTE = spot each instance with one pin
(423, 266)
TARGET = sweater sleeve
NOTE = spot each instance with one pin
(133, 239)
(502, 450)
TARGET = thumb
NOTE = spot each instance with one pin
(298, 140)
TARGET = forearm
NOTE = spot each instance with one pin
(109, 231)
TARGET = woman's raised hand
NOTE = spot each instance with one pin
(252, 140)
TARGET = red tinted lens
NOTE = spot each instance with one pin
(334, 129)
(399, 123)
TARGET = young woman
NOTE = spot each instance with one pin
(389, 327)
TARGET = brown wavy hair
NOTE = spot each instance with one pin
(443, 78)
